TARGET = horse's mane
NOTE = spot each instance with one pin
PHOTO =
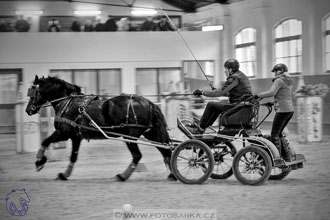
(54, 83)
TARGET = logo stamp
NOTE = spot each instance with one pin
(17, 202)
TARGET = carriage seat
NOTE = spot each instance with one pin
(237, 117)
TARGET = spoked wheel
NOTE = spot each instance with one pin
(279, 173)
(223, 155)
(252, 165)
(192, 162)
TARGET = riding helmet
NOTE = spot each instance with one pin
(232, 64)
(281, 67)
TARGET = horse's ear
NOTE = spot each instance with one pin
(36, 79)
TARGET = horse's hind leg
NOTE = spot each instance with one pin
(56, 136)
(167, 158)
(136, 154)
(74, 156)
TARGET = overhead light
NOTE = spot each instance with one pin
(91, 13)
(213, 28)
(139, 12)
(29, 12)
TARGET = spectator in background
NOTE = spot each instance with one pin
(99, 26)
(88, 26)
(110, 24)
(123, 24)
(54, 26)
(22, 25)
(164, 25)
(76, 26)
(148, 25)
(3, 26)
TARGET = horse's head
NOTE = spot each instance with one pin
(48, 89)
(36, 99)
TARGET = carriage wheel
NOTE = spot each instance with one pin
(252, 165)
(279, 173)
(192, 162)
(223, 155)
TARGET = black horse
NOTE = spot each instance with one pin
(130, 116)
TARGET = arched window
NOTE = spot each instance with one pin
(327, 44)
(288, 45)
(245, 50)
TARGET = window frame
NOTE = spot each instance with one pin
(326, 46)
(290, 39)
(73, 76)
(158, 86)
(251, 48)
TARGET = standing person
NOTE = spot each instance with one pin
(88, 27)
(110, 24)
(237, 87)
(123, 24)
(22, 25)
(281, 90)
(3, 25)
(164, 25)
(54, 26)
(76, 26)
(148, 25)
(99, 26)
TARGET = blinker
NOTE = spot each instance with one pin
(31, 92)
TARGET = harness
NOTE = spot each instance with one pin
(87, 99)
(83, 114)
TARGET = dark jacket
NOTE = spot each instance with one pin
(237, 87)
(148, 26)
(22, 26)
(110, 25)
(240, 92)
(164, 26)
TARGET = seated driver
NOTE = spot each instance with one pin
(237, 87)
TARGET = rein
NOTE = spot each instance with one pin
(49, 103)
(55, 100)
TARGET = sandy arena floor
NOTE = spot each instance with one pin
(93, 193)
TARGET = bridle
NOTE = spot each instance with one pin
(33, 93)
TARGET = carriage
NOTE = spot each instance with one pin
(213, 154)
(238, 148)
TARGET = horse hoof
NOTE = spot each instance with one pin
(120, 177)
(40, 163)
(171, 177)
(39, 167)
(61, 176)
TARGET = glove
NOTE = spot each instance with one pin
(198, 92)
(269, 104)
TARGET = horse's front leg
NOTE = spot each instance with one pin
(56, 136)
(74, 156)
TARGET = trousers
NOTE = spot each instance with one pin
(281, 120)
(212, 112)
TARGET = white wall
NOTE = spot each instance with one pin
(264, 15)
(37, 53)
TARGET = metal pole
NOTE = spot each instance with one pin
(184, 41)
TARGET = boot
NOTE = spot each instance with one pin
(277, 142)
(286, 151)
(127, 173)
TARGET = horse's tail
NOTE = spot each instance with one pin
(158, 131)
